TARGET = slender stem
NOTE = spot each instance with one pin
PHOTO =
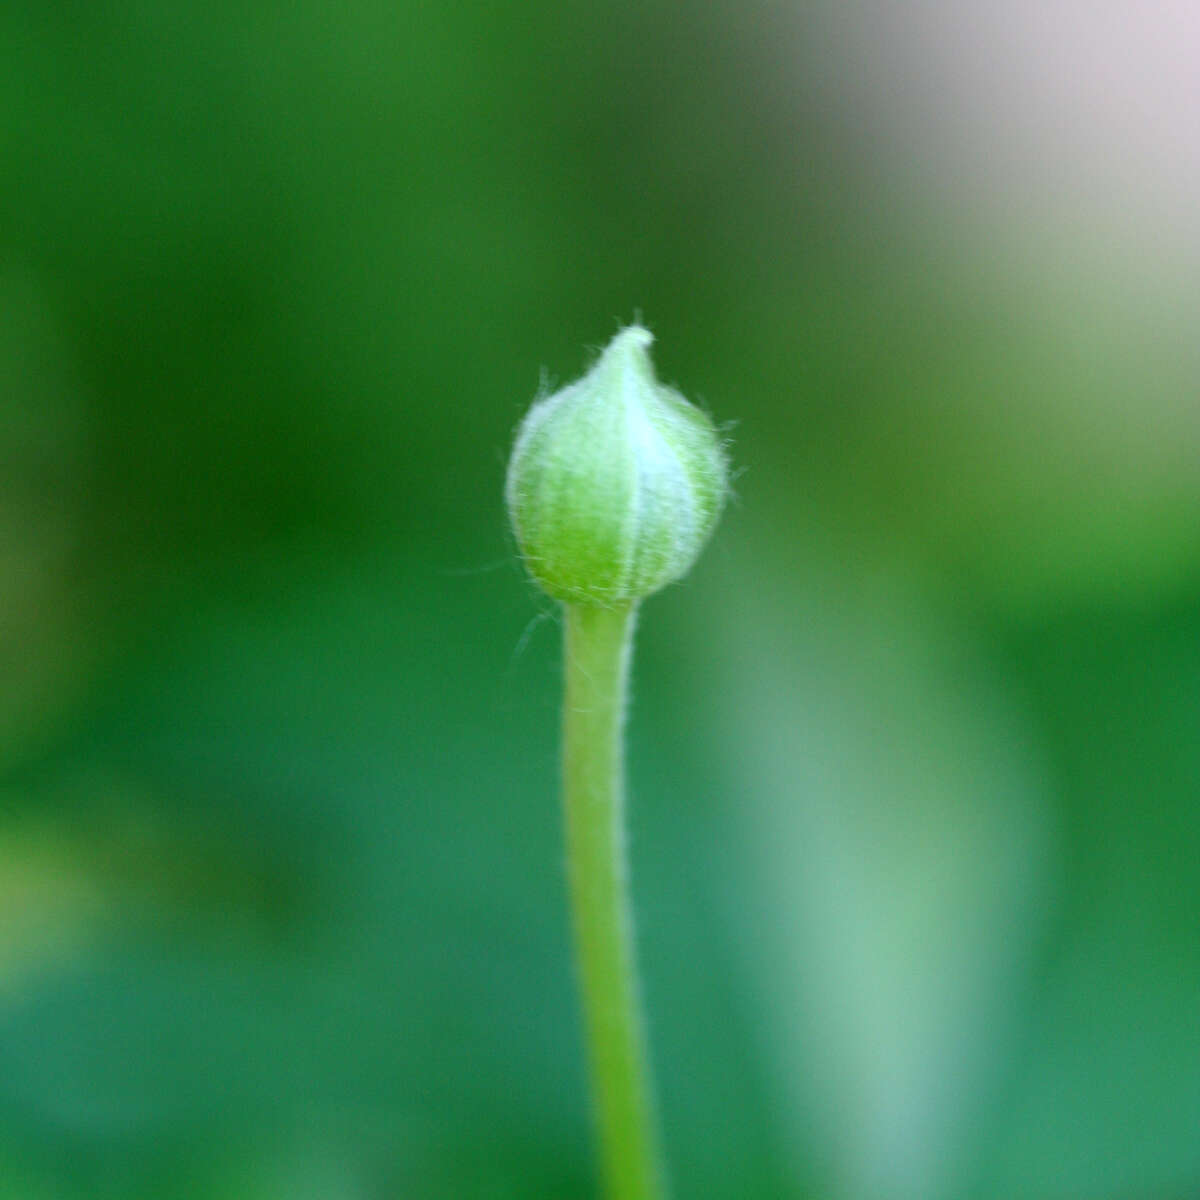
(599, 645)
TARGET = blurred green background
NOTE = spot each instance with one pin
(915, 753)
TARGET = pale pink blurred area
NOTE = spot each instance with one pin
(1069, 125)
(1016, 232)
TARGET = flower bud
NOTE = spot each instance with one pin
(615, 482)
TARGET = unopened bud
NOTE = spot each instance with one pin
(615, 482)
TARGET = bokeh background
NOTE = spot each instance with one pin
(915, 753)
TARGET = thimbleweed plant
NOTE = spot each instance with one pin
(614, 485)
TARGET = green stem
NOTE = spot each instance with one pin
(599, 644)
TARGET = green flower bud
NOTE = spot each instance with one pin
(615, 482)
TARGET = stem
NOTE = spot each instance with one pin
(599, 644)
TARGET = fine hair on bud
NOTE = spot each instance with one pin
(615, 481)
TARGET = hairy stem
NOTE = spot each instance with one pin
(599, 645)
